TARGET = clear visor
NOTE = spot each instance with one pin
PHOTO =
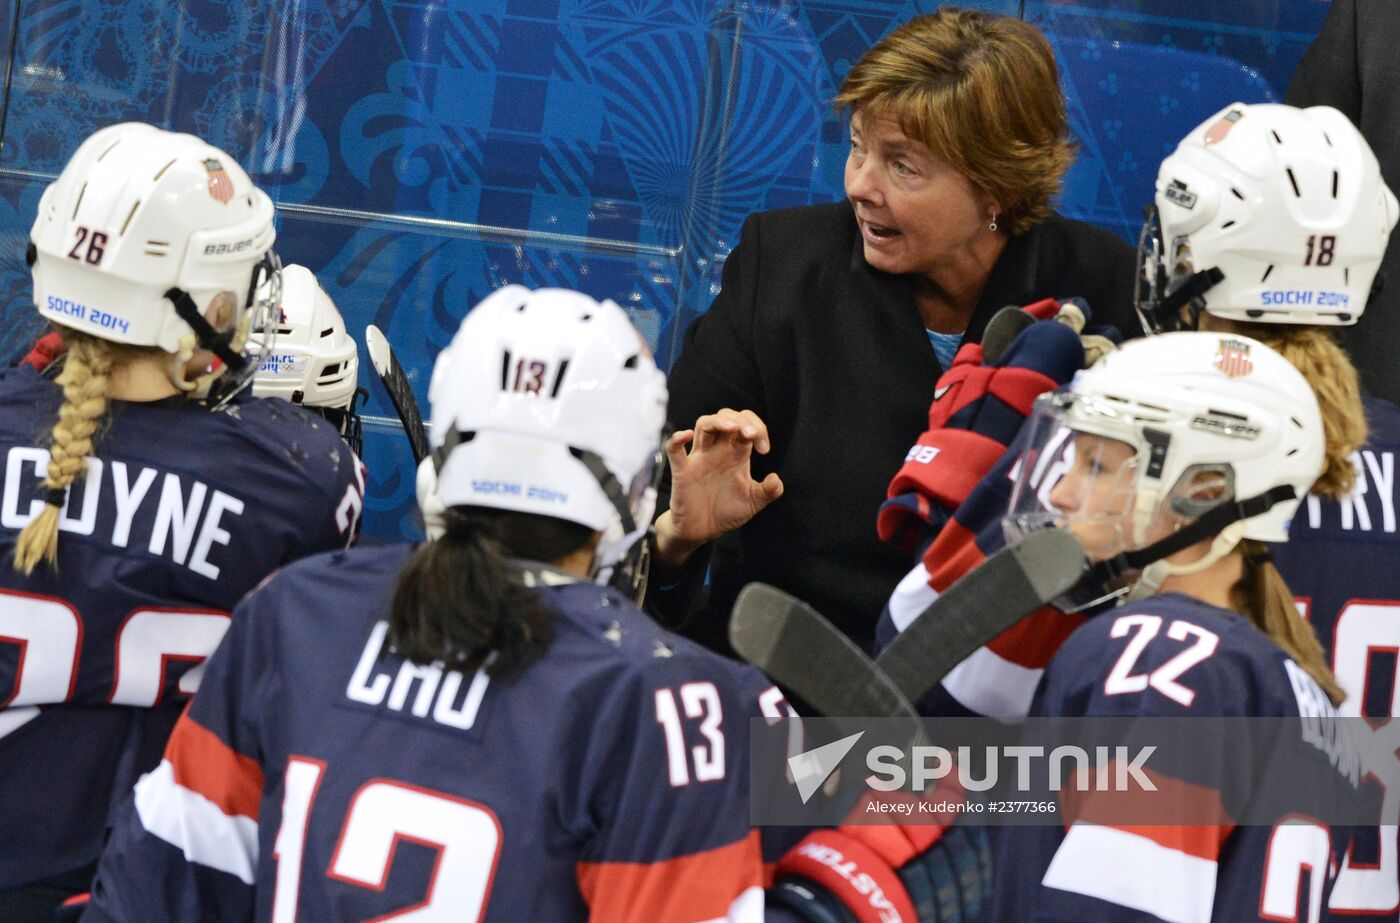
(1151, 278)
(1073, 477)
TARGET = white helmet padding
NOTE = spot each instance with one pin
(1269, 214)
(548, 402)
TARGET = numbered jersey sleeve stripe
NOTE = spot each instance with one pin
(202, 763)
(700, 886)
(195, 825)
(1135, 872)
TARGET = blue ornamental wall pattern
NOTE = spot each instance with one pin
(425, 151)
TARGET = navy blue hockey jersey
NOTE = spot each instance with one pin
(1166, 657)
(181, 511)
(1342, 562)
(319, 776)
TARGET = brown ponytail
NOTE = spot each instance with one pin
(84, 379)
(1312, 351)
(460, 599)
(1264, 598)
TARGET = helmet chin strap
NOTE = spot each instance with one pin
(1217, 524)
(1156, 573)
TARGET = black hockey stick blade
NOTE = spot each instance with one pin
(391, 374)
(1001, 591)
(1001, 331)
(799, 649)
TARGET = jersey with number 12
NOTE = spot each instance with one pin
(320, 776)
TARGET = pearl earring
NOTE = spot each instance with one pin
(993, 225)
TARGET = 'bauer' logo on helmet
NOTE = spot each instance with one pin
(1177, 192)
(1233, 358)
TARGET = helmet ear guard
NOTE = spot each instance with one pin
(1158, 302)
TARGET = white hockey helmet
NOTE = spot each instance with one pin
(1185, 423)
(153, 238)
(549, 402)
(315, 361)
(1268, 214)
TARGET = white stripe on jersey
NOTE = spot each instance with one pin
(985, 683)
(1132, 871)
(195, 825)
(990, 685)
(910, 597)
(746, 908)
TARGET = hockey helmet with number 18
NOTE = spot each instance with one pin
(549, 402)
(153, 238)
(1268, 214)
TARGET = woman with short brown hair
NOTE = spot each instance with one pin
(835, 321)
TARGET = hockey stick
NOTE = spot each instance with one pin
(391, 375)
(1001, 591)
(792, 643)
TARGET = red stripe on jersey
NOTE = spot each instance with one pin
(700, 886)
(1147, 814)
(204, 764)
(1033, 641)
(952, 555)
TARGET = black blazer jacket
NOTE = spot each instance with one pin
(834, 357)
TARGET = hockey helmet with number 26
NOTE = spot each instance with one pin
(549, 402)
(1267, 214)
(154, 238)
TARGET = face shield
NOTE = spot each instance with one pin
(1075, 476)
(1168, 296)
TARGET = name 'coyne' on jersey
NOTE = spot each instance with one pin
(129, 505)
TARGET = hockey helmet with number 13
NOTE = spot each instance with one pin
(549, 402)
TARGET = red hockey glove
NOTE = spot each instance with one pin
(976, 412)
(889, 873)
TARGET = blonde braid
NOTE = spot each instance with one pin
(1312, 351)
(84, 379)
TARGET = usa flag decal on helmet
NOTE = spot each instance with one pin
(220, 185)
(1232, 358)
